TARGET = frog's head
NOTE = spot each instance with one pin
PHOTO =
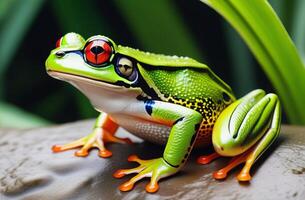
(92, 59)
(93, 66)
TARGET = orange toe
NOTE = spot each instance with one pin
(244, 177)
(203, 160)
(56, 148)
(105, 153)
(207, 159)
(118, 174)
(126, 186)
(220, 174)
(81, 153)
(132, 158)
(151, 188)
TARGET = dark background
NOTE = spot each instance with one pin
(29, 29)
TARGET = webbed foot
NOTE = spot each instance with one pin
(155, 168)
(97, 139)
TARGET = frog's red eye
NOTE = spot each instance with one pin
(58, 42)
(97, 52)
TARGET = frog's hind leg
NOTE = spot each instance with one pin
(102, 133)
(245, 129)
(184, 124)
(262, 145)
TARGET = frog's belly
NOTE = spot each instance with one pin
(148, 131)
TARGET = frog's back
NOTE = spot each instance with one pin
(152, 61)
(189, 87)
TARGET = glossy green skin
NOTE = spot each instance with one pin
(184, 94)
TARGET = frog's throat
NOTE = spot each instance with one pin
(103, 96)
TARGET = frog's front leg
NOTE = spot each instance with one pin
(103, 132)
(245, 129)
(185, 123)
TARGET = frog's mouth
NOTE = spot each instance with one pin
(73, 79)
(87, 84)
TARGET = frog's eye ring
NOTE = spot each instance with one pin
(97, 52)
(125, 68)
(58, 42)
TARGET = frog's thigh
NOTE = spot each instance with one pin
(184, 123)
(240, 126)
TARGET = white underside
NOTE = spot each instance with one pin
(121, 104)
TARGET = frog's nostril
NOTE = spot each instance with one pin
(60, 54)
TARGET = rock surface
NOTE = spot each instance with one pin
(29, 170)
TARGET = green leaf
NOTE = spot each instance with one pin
(11, 116)
(242, 69)
(15, 20)
(268, 40)
(5, 8)
(298, 26)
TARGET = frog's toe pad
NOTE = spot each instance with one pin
(119, 173)
(105, 153)
(220, 174)
(244, 177)
(203, 160)
(152, 187)
(134, 158)
(81, 153)
(206, 159)
(56, 148)
(125, 187)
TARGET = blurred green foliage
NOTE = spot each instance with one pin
(271, 45)
(30, 28)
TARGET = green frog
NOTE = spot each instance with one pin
(169, 100)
